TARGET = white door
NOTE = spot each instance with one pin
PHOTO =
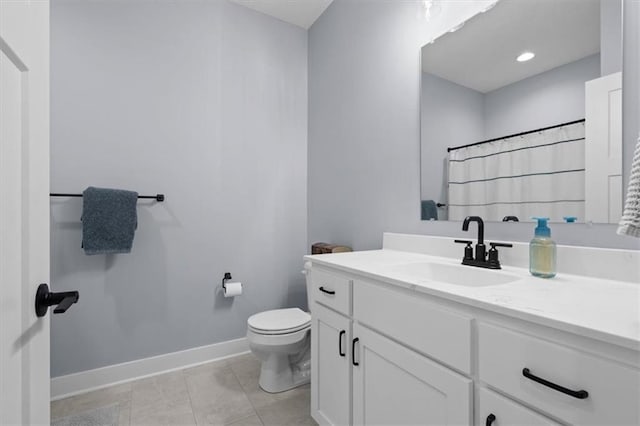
(393, 385)
(24, 210)
(330, 367)
(603, 149)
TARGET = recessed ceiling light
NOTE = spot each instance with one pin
(526, 56)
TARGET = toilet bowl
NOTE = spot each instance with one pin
(280, 338)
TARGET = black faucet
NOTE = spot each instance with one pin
(480, 258)
(481, 249)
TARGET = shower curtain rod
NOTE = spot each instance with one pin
(516, 134)
(157, 197)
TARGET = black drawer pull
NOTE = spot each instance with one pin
(324, 290)
(342, 333)
(581, 394)
(490, 419)
(353, 351)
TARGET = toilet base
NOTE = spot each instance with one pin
(277, 376)
(281, 372)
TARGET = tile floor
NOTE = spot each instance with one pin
(222, 392)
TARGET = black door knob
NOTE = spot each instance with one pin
(45, 298)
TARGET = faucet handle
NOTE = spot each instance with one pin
(468, 250)
(463, 241)
(494, 262)
(494, 245)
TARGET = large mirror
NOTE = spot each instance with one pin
(521, 114)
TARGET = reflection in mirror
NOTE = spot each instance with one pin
(521, 114)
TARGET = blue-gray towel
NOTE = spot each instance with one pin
(109, 220)
(429, 210)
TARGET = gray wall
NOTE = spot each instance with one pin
(552, 97)
(205, 101)
(456, 117)
(610, 36)
(364, 129)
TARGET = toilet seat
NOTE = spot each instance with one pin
(279, 321)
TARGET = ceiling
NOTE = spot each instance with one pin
(481, 55)
(302, 13)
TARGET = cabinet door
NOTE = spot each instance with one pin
(330, 367)
(393, 385)
(496, 410)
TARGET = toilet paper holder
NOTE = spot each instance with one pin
(227, 277)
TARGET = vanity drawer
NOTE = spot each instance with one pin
(613, 389)
(411, 319)
(331, 290)
(496, 410)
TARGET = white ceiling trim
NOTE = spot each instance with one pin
(302, 13)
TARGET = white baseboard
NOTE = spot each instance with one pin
(84, 381)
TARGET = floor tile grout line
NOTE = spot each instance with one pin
(130, 401)
(255, 410)
(186, 384)
(71, 403)
(244, 418)
(227, 365)
(130, 404)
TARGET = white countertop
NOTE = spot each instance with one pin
(601, 309)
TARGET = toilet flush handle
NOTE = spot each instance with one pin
(307, 268)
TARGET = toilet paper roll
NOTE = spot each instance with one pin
(232, 289)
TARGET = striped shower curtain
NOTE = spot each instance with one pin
(536, 174)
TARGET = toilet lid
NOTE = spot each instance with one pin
(280, 320)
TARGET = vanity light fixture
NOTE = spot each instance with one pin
(525, 56)
(432, 8)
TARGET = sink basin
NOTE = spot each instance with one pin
(468, 276)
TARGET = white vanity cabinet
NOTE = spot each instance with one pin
(360, 376)
(386, 354)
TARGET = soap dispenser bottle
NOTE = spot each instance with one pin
(542, 251)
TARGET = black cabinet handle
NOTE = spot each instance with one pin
(342, 333)
(581, 394)
(324, 290)
(353, 351)
(490, 419)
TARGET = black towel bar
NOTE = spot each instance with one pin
(157, 197)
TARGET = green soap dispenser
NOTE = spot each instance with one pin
(542, 251)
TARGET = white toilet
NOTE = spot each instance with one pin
(281, 340)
